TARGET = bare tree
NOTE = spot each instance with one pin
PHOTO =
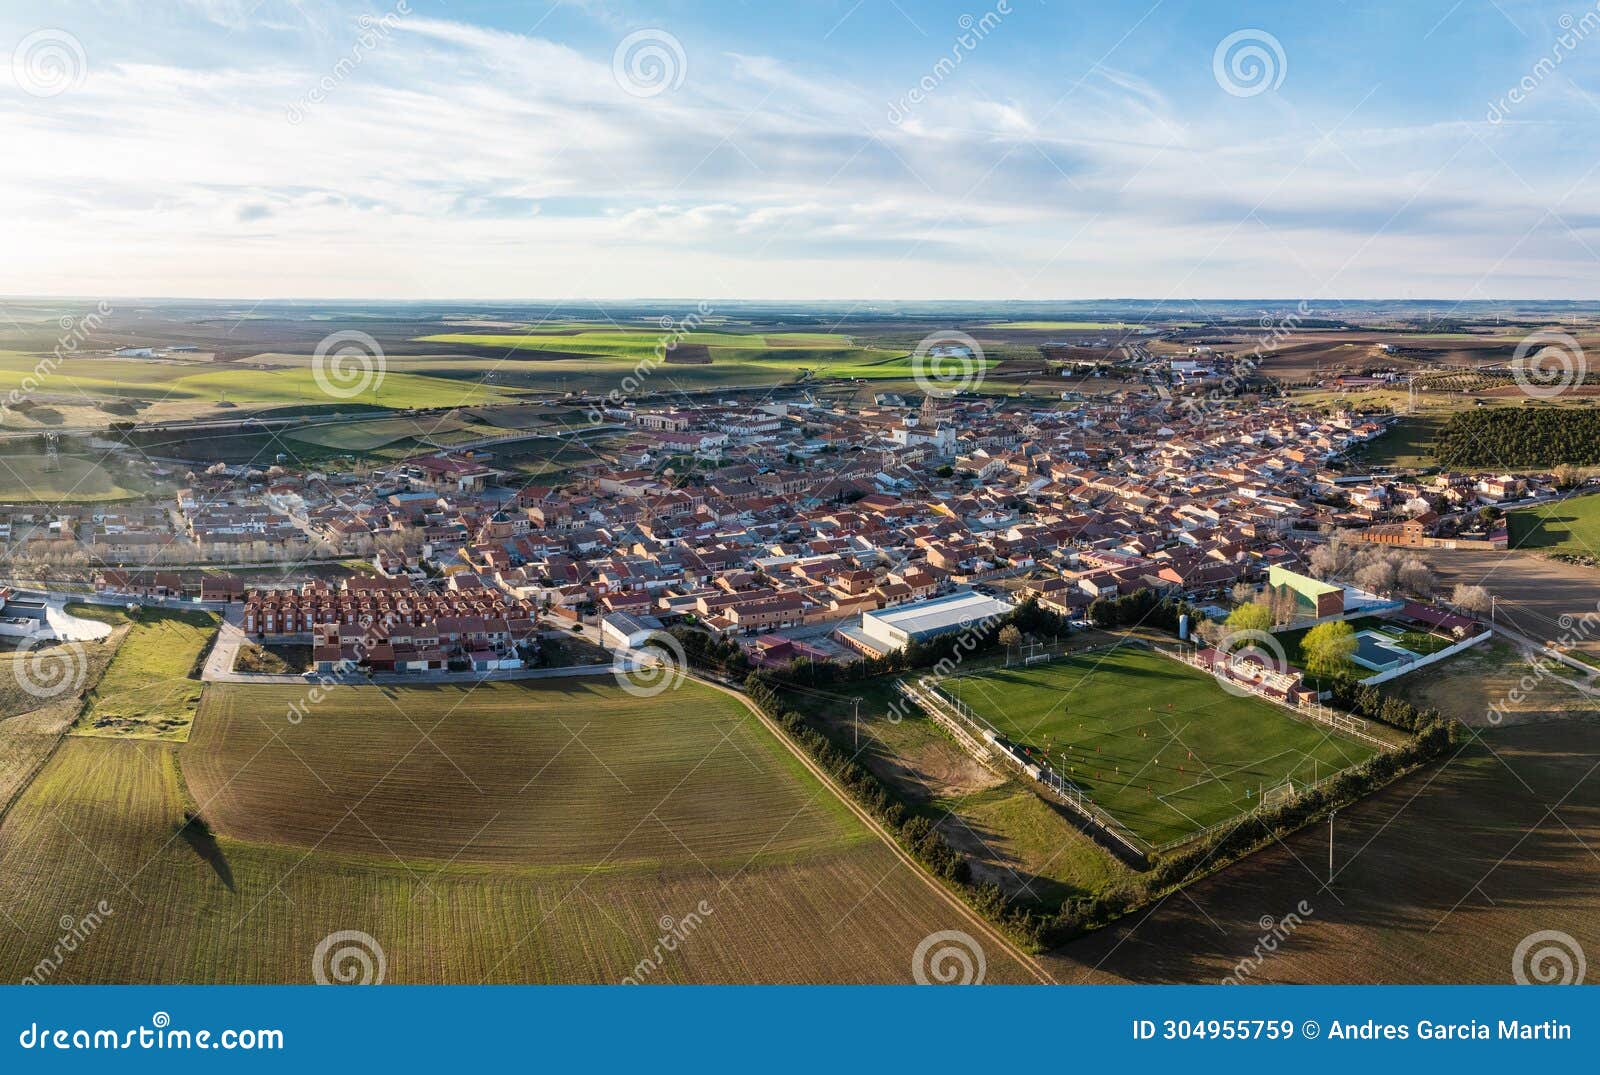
(1377, 577)
(1474, 599)
(1417, 578)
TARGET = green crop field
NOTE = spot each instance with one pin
(1571, 526)
(75, 479)
(545, 831)
(152, 687)
(1158, 744)
(207, 383)
(360, 436)
(1056, 326)
(547, 361)
(644, 342)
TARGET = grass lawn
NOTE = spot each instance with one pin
(113, 615)
(1419, 642)
(1571, 525)
(152, 687)
(1158, 744)
(1408, 443)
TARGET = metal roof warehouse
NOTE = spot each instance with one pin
(928, 619)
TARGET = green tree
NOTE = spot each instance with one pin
(1328, 647)
(1251, 617)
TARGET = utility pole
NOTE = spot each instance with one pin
(1331, 815)
(858, 724)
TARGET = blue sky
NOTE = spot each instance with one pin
(839, 149)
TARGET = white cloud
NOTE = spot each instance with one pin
(457, 160)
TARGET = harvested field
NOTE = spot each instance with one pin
(764, 876)
(541, 772)
(1532, 593)
(1493, 684)
(1437, 878)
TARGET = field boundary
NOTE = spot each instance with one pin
(988, 929)
(1424, 660)
(1116, 835)
(1344, 723)
(936, 703)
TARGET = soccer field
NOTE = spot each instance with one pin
(1158, 744)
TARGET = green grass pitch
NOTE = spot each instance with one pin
(1157, 744)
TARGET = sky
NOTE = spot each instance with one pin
(830, 149)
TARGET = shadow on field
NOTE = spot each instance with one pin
(197, 834)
